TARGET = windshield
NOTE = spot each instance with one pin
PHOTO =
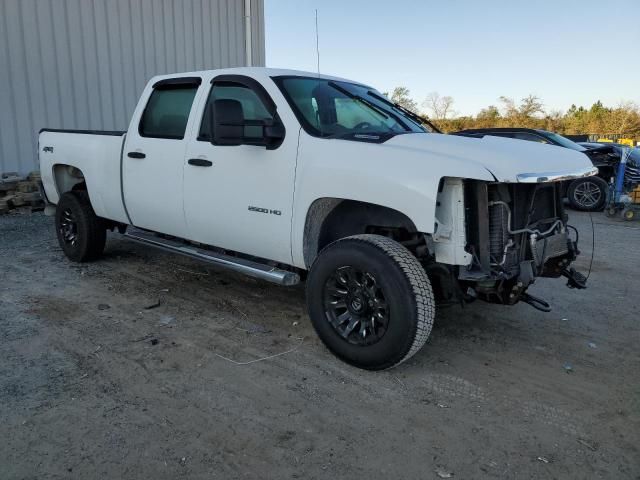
(564, 141)
(334, 109)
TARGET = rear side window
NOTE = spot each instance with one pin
(167, 111)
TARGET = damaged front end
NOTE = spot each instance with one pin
(513, 233)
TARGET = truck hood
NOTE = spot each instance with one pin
(508, 160)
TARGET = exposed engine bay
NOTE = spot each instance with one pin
(513, 233)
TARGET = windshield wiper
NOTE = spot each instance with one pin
(369, 104)
(414, 116)
(375, 137)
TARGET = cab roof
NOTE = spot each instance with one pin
(256, 72)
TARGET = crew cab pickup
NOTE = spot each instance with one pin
(291, 176)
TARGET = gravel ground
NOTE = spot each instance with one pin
(137, 366)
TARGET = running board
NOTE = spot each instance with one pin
(241, 265)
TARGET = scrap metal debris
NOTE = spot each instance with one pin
(442, 473)
(167, 321)
(155, 304)
(591, 447)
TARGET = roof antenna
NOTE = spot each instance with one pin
(317, 43)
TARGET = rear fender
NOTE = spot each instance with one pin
(67, 178)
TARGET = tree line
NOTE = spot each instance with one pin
(529, 112)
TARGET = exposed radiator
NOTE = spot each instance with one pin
(498, 232)
(549, 247)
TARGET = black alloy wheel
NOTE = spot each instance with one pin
(68, 227)
(81, 233)
(355, 306)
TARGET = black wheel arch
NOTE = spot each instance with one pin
(330, 219)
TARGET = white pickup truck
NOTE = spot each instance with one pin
(287, 175)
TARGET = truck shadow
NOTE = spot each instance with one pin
(191, 286)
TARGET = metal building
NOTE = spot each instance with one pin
(82, 63)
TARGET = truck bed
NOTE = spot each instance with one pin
(97, 154)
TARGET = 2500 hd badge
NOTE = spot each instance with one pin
(264, 210)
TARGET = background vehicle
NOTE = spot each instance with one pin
(624, 191)
(618, 148)
(288, 175)
(588, 194)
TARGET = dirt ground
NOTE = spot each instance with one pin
(132, 367)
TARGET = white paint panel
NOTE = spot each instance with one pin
(81, 64)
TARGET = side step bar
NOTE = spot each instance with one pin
(241, 265)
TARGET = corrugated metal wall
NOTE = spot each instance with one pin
(83, 63)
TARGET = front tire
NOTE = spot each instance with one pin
(588, 194)
(81, 233)
(370, 301)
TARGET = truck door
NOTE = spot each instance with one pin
(154, 154)
(239, 197)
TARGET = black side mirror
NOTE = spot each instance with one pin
(273, 133)
(227, 122)
(227, 126)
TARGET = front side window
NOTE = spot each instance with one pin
(252, 108)
(336, 109)
(167, 111)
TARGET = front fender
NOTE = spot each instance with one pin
(403, 180)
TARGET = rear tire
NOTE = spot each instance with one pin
(81, 233)
(370, 301)
(588, 194)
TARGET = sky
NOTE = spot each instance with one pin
(563, 51)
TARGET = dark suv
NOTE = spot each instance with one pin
(588, 194)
